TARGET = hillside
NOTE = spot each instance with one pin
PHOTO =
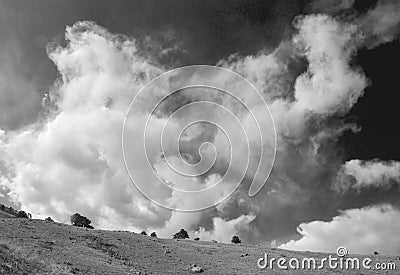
(40, 247)
(4, 215)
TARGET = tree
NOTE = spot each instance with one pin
(143, 233)
(235, 239)
(182, 234)
(80, 221)
(154, 234)
(22, 214)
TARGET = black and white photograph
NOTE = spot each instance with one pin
(199, 137)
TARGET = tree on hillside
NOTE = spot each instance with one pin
(182, 234)
(153, 234)
(80, 221)
(235, 239)
(22, 214)
(143, 233)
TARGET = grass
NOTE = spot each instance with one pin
(13, 263)
(40, 247)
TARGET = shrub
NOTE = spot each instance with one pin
(154, 234)
(197, 239)
(80, 221)
(143, 232)
(182, 234)
(22, 214)
(49, 219)
(376, 253)
(235, 239)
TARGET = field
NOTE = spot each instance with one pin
(40, 247)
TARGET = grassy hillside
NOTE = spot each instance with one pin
(5, 215)
(39, 247)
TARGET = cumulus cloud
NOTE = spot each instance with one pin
(71, 161)
(223, 230)
(358, 175)
(329, 86)
(362, 230)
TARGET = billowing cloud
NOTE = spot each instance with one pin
(71, 161)
(364, 230)
(357, 175)
(329, 86)
(223, 230)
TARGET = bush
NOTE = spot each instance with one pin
(143, 233)
(235, 239)
(22, 214)
(49, 219)
(80, 221)
(182, 234)
(197, 239)
(154, 234)
(376, 253)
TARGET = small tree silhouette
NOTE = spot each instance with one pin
(22, 214)
(143, 233)
(153, 234)
(80, 221)
(235, 239)
(182, 234)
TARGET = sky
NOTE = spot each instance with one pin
(327, 70)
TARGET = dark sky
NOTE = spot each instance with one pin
(377, 111)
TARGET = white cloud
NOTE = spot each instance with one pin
(329, 86)
(362, 230)
(358, 175)
(71, 162)
(224, 230)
